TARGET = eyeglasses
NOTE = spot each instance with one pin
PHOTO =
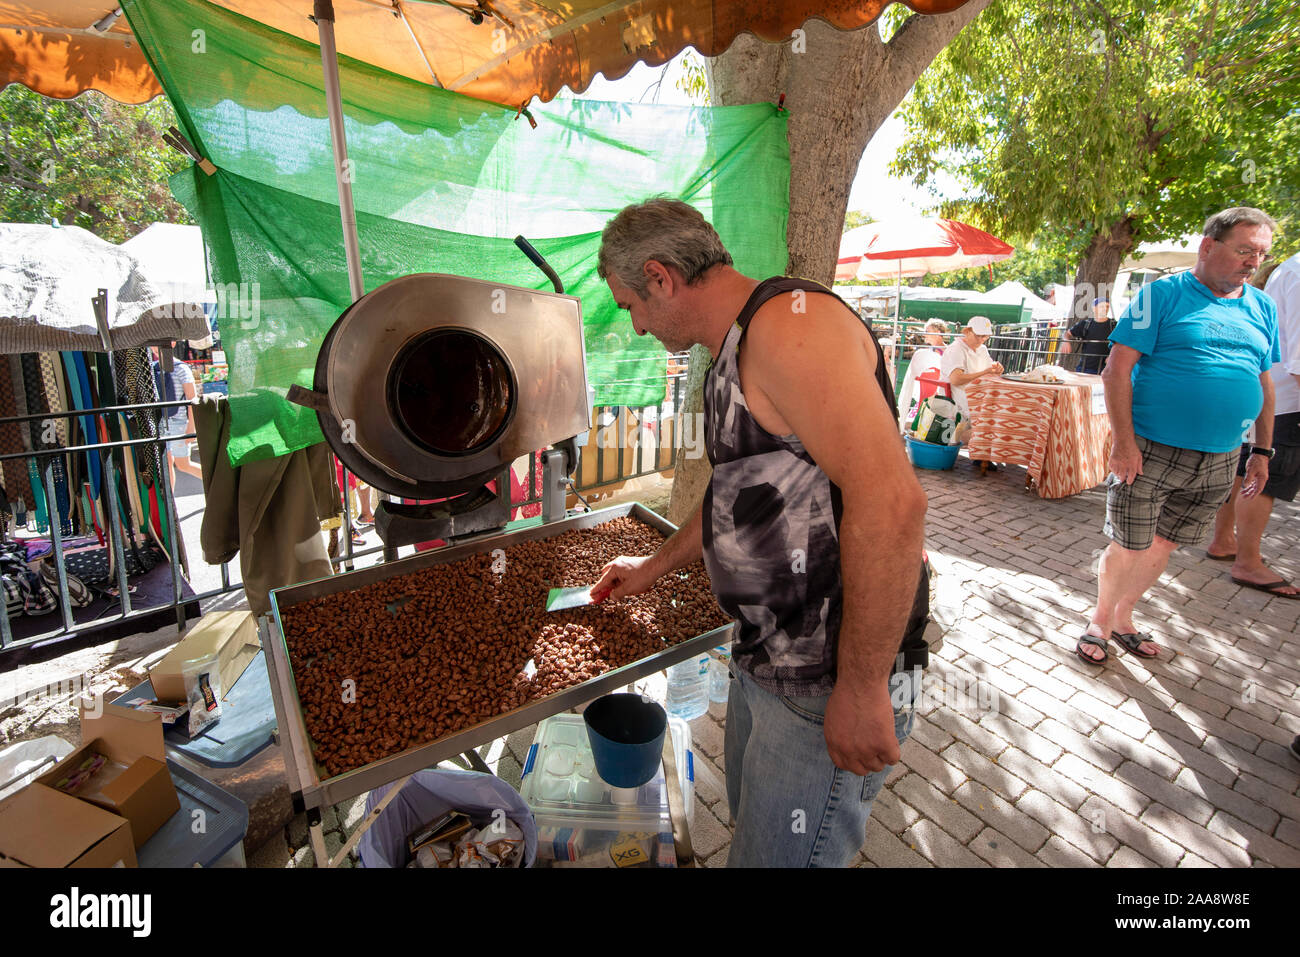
(1247, 252)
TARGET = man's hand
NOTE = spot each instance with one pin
(1126, 461)
(1256, 476)
(859, 728)
(996, 369)
(624, 576)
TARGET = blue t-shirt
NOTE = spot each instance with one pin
(1196, 385)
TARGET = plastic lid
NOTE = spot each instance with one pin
(562, 787)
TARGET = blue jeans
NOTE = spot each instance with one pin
(791, 805)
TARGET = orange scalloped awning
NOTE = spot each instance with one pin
(520, 50)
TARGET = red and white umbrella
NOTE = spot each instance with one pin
(915, 247)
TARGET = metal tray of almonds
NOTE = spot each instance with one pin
(371, 696)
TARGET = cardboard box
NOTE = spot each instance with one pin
(143, 791)
(41, 827)
(231, 635)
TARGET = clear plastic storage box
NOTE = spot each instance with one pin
(584, 822)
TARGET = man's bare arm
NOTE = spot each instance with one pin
(626, 575)
(1257, 465)
(1117, 377)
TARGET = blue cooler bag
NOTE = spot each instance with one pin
(430, 794)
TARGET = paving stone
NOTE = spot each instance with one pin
(1236, 697)
(274, 853)
(508, 770)
(885, 850)
(926, 732)
(1001, 851)
(1100, 783)
(1132, 833)
(894, 813)
(295, 831)
(354, 810)
(938, 807)
(1033, 743)
(1136, 728)
(987, 772)
(929, 839)
(719, 858)
(519, 742)
(1235, 802)
(1264, 730)
(710, 782)
(1067, 825)
(967, 731)
(708, 834)
(1001, 814)
(1191, 860)
(1257, 843)
(1127, 857)
(1173, 796)
(1194, 837)
(931, 767)
(1067, 714)
(1058, 853)
(1072, 742)
(1048, 685)
(1177, 754)
(1043, 778)
(1288, 832)
(707, 736)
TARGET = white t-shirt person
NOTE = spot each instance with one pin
(968, 354)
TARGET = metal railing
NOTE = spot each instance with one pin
(1019, 347)
(624, 443)
(112, 462)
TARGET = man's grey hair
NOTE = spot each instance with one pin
(937, 325)
(665, 230)
(1218, 225)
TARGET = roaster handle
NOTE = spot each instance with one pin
(539, 262)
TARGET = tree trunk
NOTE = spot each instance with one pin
(839, 87)
(1099, 266)
(691, 474)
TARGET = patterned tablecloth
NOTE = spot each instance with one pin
(1050, 429)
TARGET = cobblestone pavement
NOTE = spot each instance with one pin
(1022, 755)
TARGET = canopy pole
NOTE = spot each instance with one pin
(324, 17)
(898, 305)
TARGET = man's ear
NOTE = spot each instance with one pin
(659, 276)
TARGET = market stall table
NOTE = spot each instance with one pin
(1060, 433)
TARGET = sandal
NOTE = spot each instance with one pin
(1132, 643)
(1092, 640)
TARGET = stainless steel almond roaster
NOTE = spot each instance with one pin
(429, 387)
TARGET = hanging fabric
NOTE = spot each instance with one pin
(12, 439)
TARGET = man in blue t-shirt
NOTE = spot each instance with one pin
(1187, 376)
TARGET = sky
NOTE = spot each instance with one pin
(874, 189)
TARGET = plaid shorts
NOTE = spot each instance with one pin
(1175, 497)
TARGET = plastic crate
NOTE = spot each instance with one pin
(581, 820)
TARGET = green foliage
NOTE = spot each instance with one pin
(88, 161)
(855, 218)
(694, 79)
(1069, 117)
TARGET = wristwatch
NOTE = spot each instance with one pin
(1267, 453)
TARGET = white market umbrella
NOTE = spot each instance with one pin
(49, 276)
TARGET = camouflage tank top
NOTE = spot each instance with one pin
(771, 522)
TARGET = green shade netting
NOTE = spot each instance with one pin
(441, 182)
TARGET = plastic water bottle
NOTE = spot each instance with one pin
(688, 688)
(719, 676)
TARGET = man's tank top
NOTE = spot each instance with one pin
(771, 522)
